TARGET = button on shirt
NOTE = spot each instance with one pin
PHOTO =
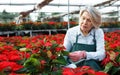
(70, 39)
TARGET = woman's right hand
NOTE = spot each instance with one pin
(77, 55)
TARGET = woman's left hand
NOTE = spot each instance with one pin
(77, 55)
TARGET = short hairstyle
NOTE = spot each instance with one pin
(95, 16)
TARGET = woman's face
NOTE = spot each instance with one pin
(85, 22)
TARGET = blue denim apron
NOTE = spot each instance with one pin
(89, 48)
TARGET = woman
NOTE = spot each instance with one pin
(86, 41)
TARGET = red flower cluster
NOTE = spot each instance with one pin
(10, 54)
(85, 70)
(9, 58)
(112, 47)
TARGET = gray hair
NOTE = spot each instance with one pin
(95, 16)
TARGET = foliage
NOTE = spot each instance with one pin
(49, 56)
(44, 54)
(110, 25)
(112, 60)
(35, 25)
(6, 16)
(12, 26)
(32, 55)
(84, 70)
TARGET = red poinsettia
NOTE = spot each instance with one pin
(9, 66)
(112, 59)
(85, 70)
(45, 48)
(47, 55)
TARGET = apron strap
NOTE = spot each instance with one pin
(94, 39)
(76, 39)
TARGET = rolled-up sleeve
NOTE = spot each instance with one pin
(100, 47)
(67, 43)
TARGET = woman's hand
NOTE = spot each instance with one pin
(77, 55)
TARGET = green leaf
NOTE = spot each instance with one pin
(118, 58)
(118, 48)
(45, 74)
(35, 56)
(2, 73)
(32, 62)
(108, 67)
(32, 65)
(60, 60)
(115, 70)
(58, 72)
(54, 46)
(65, 53)
(22, 70)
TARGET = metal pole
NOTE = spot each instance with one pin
(68, 14)
(118, 13)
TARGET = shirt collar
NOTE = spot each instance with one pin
(79, 32)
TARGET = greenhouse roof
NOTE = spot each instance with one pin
(58, 5)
